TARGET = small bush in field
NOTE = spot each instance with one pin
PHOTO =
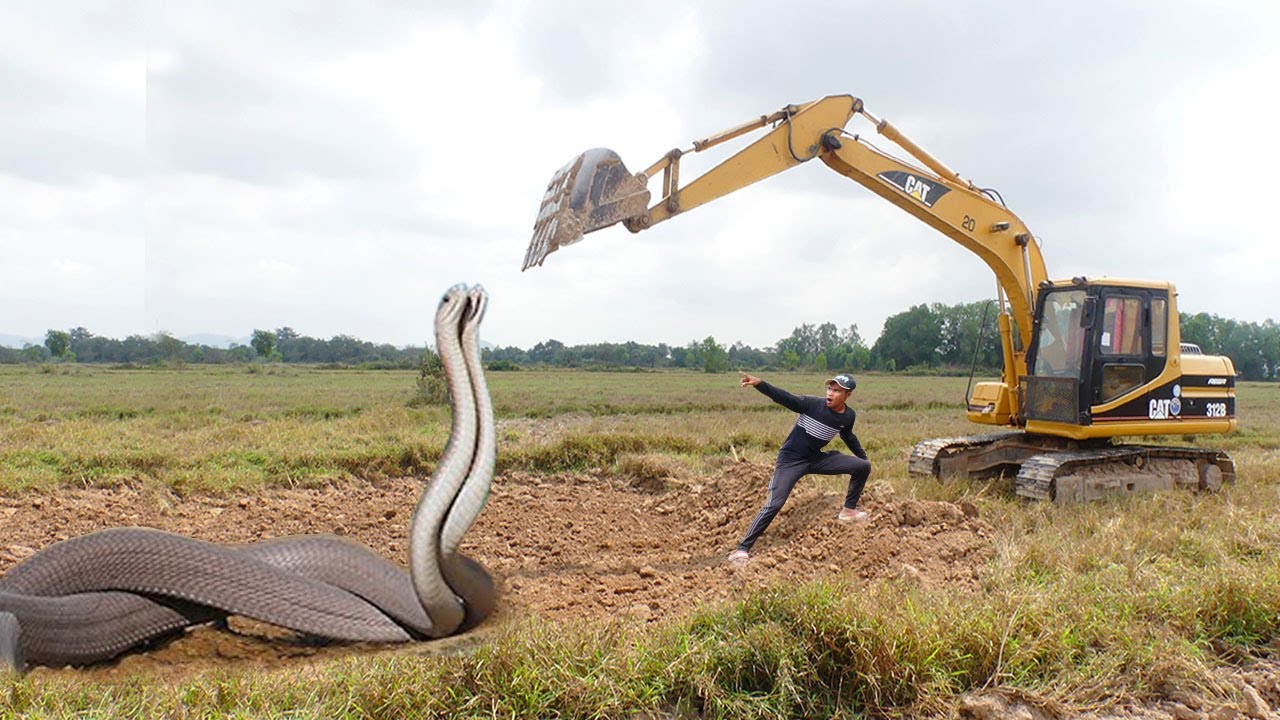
(432, 389)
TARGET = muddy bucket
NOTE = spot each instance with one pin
(593, 191)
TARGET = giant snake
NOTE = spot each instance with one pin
(93, 597)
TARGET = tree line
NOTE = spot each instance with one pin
(282, 345)
(928, 338)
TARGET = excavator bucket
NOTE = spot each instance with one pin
(593, 191)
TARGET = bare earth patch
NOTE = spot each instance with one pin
(570, 548)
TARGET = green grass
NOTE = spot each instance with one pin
(1079, 606)
(223, 429)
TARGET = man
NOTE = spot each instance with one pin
(821, 419)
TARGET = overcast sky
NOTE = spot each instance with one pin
(216, 167)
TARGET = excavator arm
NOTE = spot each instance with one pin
(596, 191)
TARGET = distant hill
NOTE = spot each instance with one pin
(15, 341)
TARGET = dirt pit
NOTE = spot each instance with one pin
(570, 548)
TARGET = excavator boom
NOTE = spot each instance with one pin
(595, 190)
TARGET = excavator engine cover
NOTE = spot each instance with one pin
(593, 191)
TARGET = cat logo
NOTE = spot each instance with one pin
(1163, 409)
(1166, 408)
(927, 190)
(918, 189)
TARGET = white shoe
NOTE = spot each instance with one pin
(851, 515)
(739, 557)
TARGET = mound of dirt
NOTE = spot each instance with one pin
(583, 553)
(572, 548)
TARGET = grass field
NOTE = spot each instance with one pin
(1081, 605)
(225, 428)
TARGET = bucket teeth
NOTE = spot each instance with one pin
(595, 190)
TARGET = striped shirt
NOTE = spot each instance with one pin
(816, 426)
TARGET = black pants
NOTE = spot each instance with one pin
(789, 470)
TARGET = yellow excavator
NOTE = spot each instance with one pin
(1086, 360)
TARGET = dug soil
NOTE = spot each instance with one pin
(570, 548)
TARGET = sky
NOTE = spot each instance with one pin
(205, 168)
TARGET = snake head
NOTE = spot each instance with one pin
(452, 306)
(478, 300)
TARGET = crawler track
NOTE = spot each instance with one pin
(1063, 471)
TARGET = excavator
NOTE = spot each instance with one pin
(1086, 360)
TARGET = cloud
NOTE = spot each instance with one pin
(71, 110)
(584, 50)
(218, 167)
(219, 114)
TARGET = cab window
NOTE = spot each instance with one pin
(1061, 336)
(1159, 325)
(1120, 378)
(1122, 326)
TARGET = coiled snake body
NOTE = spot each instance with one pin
(93, 597)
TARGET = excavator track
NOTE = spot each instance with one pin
(956, 457)
(924, 456)
(1092, 474)
(1061, 471)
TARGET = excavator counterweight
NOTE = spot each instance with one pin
(592, 192)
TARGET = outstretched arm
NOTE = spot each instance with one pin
(776, 394)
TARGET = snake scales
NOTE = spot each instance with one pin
(90, 598)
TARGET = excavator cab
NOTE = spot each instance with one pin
(1105, 359)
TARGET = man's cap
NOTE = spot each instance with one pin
(844, 381)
